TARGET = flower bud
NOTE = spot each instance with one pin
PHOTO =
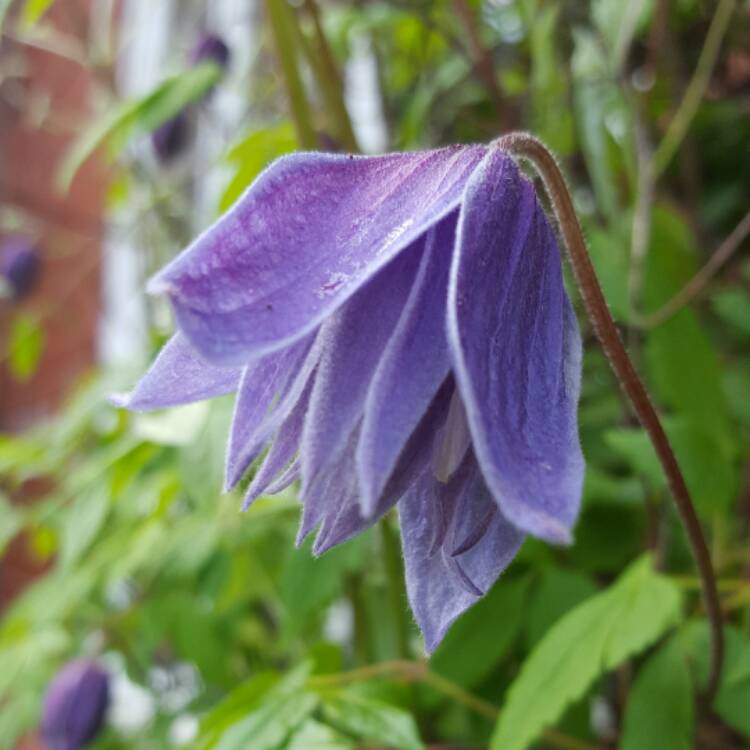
(19, 266)
(210, 47)
(170, 139)
(75, 705)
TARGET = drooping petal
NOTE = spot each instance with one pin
(325, 495)
(281, 377)
(179, 376)
(516, 351)
(305, 236)
(354, 341)
(283, 450)
(442, 586)
(412, 367)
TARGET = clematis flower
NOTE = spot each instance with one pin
(75, 705)
(210, 47)
(397, 333)
(170, 139)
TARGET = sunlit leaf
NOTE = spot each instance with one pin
(25, 346)
(115, 128)
(591, 639)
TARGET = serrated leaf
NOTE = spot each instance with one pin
(373, 721)
(659, 713)
(282, 709)
(482, 635)
(143, 115)
(591, 639)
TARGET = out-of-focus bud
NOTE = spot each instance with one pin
(170, 139)
(19, 267)
(75, 705)
(210, 47)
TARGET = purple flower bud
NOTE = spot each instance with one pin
(170, 139)
(19, 265)
(75, 705)
(210, 47)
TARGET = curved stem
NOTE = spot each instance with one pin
(527, 147)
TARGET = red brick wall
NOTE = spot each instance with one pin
(40, 115)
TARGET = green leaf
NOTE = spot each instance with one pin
(706, 460)
(558, 591)
(280, 712)
(733, 697)
(682, 363)
(733, 306)
(618, 23)
(373, 721)
(593, 92)
(313, 735)
(81, 523)
(549, 85)
(477, 641)
(33, 10)
(115, 128)
(234, 707)
(659, 713)
(591, 639)
(252, 154)
(25, 346)
(11, 522)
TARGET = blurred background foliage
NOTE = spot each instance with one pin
(220, 634)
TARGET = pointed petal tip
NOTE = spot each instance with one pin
(120, 399)
(158, 285)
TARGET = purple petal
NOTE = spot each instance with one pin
(354, 341)
(305, 236)
(284, 375)
(442, 586)
(516, 351)
(282, 452)
(412, 367)
(330, 491)
(179, 376)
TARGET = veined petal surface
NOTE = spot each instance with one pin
(516, 351)
(302, 239)
(411, 369)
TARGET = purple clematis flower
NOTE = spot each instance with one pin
(397, 332)
(75, 705)
(210, 47)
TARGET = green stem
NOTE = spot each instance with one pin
(415, 671)
(281, 21)
(680, 123)
(394, 569)
(534, 151)
(327, 74)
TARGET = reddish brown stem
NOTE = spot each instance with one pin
(533, 150)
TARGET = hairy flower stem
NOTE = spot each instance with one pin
(527, 147)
